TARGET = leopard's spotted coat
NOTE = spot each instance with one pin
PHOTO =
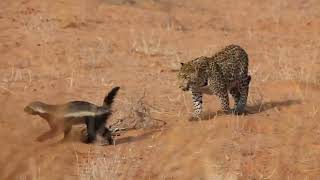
(226, 71)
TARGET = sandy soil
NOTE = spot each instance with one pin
(58, 51)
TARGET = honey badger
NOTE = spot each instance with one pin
(61, 117)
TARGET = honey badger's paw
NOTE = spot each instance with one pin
(104, 138)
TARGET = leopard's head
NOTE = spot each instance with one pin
(189, 76)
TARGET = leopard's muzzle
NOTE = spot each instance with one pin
(184, 88)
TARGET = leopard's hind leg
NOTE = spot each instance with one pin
(218, 88)
(242, 93)
(224, 101)
(235, 94)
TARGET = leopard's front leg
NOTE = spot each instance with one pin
(197, 103)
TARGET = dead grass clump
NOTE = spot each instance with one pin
(150, 44)
(137, 116)
(95, 164)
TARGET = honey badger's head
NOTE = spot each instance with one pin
(35, 107)
(190, 76)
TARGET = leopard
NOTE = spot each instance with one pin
(224, 72)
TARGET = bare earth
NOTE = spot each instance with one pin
(58, 51)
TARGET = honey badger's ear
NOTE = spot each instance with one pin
(182, 63)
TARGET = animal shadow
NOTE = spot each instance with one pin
(257, 108)
(121, 138)
(250, 109)
(130, 139)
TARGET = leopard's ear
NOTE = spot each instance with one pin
(182, 63)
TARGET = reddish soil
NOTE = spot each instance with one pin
(58, 51)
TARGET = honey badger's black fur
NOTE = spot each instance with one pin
(61, 117)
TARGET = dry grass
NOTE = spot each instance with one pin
(149, 44)
(98, 165)
(135, 114)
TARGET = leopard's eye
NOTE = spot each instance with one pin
(182, 76)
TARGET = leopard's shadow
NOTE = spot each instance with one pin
(252, 109)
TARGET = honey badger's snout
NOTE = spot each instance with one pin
(34, 107)
(29, 110)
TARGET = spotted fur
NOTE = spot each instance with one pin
(226, 71)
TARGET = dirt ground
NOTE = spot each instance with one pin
(58, 51)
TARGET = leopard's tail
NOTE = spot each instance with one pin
(108, 100)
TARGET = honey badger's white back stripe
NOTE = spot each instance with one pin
(39, 109)
(85, 113)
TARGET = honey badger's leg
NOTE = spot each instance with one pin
(55, 128)
(91, 130)
(102, 130)
(197, 103)
(45, 135)
(96, 125)
(67, 129)
(243, 91)
(107, 133)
